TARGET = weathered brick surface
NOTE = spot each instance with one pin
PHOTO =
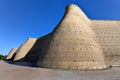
(72, 44)
(108, 36)
(77, 43)
(11, 54)
(24, 49)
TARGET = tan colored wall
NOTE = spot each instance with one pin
(72, 44)
(11, 53)
(35, 51)
(24, 49)
(108, 35)
(77, 43)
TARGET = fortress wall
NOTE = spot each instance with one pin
(76, 12)
(72, 44)
(77, 43)
(35, 51)
(11, 53)
(24, 49)
(70, 9)
(108, 36)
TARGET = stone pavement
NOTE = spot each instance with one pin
(19, 72)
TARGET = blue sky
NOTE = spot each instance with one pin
(20, 19)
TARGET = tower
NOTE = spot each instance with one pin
(24, 49)
(11, 54)
(72, 44)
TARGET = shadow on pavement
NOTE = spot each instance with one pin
(27, 64)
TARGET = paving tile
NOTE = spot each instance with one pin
(17, 72)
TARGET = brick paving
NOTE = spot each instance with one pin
(20, 72)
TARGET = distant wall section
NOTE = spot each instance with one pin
(24, 49)
(108, 36)
(11, 54)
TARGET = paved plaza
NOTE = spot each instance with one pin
(24, 71)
